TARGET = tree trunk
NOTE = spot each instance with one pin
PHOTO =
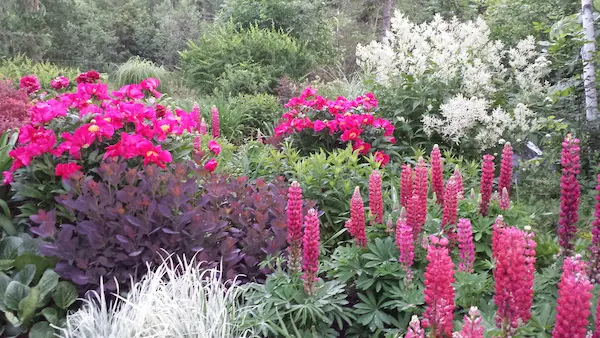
(587, 54)
(388, 6)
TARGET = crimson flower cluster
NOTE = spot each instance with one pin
(514, 254)
(466, 246)
(439, 292)
(356, 223)
(310, 250)
(120, 124)
(345, 120)
(569, 192)
(437, 174)
(376, 197)
(486, 184)
(294, 224)
(574, 300)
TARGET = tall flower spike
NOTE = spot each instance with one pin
(465, 246)
(203, 128)
(421, 186)
(569, 193)
(506, 169)
(376, 197)
(574, 300)
(597, 322)
(414, 329)
(310, 261)
(459, 182)
(437, 174)
(405, 244)
(357, 214)
(486, 185)
(594, 270)
(216, 125)
(196, 117)
(504, 199)
(513, 277)
(472, 327)
(450, 209)
(406, 184)
(439, 292)
(294, 225)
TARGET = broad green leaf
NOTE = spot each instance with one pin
(41, 263)
(14, 293)
(26, 274)
(28, 305)
(41, 330)
(51, 315)
(9, 247)
(65, 295)
(47, 283)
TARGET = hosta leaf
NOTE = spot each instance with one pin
(65, 295)
(14, 293)
(28, 305)
(41, 330)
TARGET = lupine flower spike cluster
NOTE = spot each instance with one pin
(376, 197)
(421, 186)
(458, 179)
(594, 269)
(465, 246)
(405, 244)
(437, 174)
(294, 225)
(597, 321)
(504, 199)
(486, 184)
(414, 329)
(472, 327)
(450, 209)
(216, 124)
(514, 254)
(569, 193)
(310, 250)
(574, 300)
(356, 223)
(439, 292)
(506, 168)
(406, 184)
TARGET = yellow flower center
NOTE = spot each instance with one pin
(352, 135)
(107, 119)
(93, 128)
(151, 153)
(85, 146)
(165, 128)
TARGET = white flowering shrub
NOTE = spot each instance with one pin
(475, 87)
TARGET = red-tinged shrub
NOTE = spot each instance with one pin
(14, 106)
(314, 122)
(130, 215)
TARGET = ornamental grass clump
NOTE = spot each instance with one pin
(178, 298)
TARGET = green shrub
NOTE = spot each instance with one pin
(223, 52)
(256, 111)
(305, 20)
(137, 69)
(19, 66)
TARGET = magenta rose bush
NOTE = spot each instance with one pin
(313, 122)
(73, 132)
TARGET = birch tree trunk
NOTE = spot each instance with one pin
(388, 6)
(587, 54)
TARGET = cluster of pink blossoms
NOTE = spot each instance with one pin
(514, 254)
(569, 192)
(437, 174)
(120, 123)
(350, 121)
(486, 185)
(356, 223)
(574, 301)
(310, 250)
(405, 244)
(594, 266)
(439, 292)
(376, 197)
(294, 225)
